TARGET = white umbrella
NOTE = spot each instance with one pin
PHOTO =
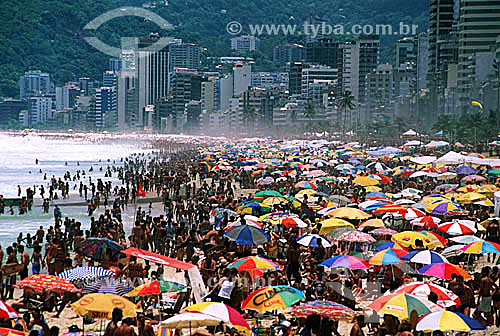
(465, 239)
(454, 250)
(191, 320)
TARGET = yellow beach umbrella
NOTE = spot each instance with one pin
(408, 238)
(470, 197)
(373, 189)
(270, 201)
(100, 306)
(374, 222)
(349, 213)
(365, 181)
(487, 189)
(331, 224)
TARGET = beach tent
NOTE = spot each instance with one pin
(434, 144)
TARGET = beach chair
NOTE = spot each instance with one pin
(182, 297)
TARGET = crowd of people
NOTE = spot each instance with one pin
(192, 186)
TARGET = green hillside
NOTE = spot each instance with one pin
(48, 35)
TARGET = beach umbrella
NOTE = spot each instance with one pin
(329, 309)
(379, 167)
(327, 210)
(100, 306)
(466, 170)
(409, 238)
(372, 204)
(108, 286)
(272, 201)
(155, 287)
(293, 221)
(389, 208)
(99, 249)
(247, 235)
(424, 257)
(13, 332)
(356, 236)
(443, 271)
(333, 234)
(482, 247)
(473, 178)
(387, 257)
(422, 289)
(405, 201)
(333, 223)
(349, 213)
(470, 197)
(374, 222)
(275, 217)
(267, 193)
(453, 251)
(402, 304)
(191, 320)
(220, 213)
(456, 228)
(383, 245)
(221, 311)
(254, 263)
(426, 221)
(448, 321)
(265, 180)
(486, 203)
(412, 213)
(444, 208)
(345, 261)
(383, 232)
(313, 240)
(85, 273)
(45, 282)
(466, 239)
(252, 208)
(365, 181)
(487, 189)
(272, 298)
(306, 185)
(6, 311)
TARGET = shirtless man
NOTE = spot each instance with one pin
(357, 328)
(125, 329)
(486, 289)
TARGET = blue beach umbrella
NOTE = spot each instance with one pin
(247, 235)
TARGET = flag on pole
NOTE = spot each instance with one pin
(140, 191)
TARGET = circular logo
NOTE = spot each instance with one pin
(118, 303)
(85, 301)
(234, 28)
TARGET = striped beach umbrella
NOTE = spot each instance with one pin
(45, 282)
(426, 221)
(108, 286)
(482, 247)
(155, 287)
(424, 257)
(443, 271)
(99, 249)
(422, 289)
(402, 304)
(456, 228)
(272, 298)
(313, 240)
(306, 185)
(387, 257)
(345, 261)
(219, 310)
(85, 273)
(254, 263)
(247, 235)
(356, 236)
(383, 232)
(7, 312)
(328, 309)
(448, 321)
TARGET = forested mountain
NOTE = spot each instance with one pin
(48, 34)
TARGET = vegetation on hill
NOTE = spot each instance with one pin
(48, 35)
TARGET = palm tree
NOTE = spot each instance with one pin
(346, 103)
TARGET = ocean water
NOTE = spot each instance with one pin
(18, 167)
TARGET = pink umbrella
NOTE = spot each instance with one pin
(473, 178)
(356, 236)
(383, 232)
(316, 173)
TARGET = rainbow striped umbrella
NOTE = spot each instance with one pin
(422, 289)
(481, 247)
(328, 309)
(448, 321)
(402, 304)
(272, 298)
(444, 208)
(306, 185)
(254, 263)
(443, 271)
(156, 287)
(345, 261)
(387, 257)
